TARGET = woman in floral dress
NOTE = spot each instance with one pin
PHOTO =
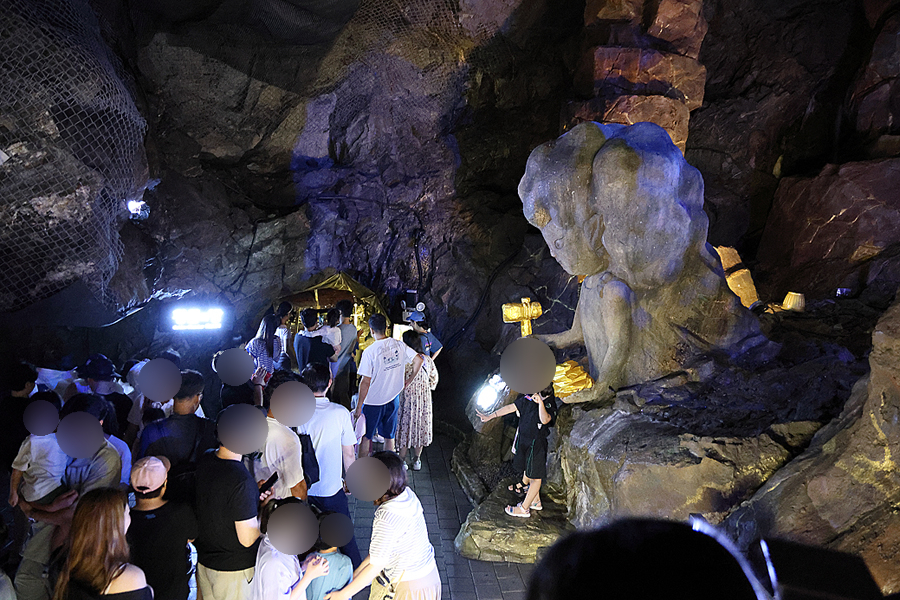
(414, 428)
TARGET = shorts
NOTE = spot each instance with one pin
(381, 419)
(531, 458)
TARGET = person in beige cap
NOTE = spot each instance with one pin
(160, 531)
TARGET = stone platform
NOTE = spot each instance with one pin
(490, 534)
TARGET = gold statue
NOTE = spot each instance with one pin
(522, 313)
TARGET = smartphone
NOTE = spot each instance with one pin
(265, 487)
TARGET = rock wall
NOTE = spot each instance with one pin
(641, 65)
(841, 492)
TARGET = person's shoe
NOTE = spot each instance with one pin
(406, 466)
(378, 439)
(417, 465)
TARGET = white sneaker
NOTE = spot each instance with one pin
(417, 466)
(406, 466)
(378, 439)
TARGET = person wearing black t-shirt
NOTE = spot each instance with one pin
(182, 438)
(227, 502)
(160, 531)
(537, 414)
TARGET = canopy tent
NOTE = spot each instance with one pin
(329, 291)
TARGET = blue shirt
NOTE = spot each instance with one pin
(430, 343)
(340, 572)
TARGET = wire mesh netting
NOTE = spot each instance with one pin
(71, 151)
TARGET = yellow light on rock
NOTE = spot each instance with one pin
(794, 301)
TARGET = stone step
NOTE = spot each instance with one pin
(489, 534)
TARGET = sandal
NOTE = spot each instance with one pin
(536, 505)
(511, 511)
(519, 489)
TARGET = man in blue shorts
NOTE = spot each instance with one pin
(382, 368)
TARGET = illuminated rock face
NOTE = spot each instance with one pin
(620, 206)
(841, 491)
(840, 229)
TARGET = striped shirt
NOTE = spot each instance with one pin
(257, 349)
(400, 543)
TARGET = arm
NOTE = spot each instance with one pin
(364, 384)
(435, 355)
(417, 366)
(312, 567)
(573, 336)
(247, 531)
(363, 576)
(300, 490)
(15, 479)
(509, 408)
(348, 456)
(542, 410)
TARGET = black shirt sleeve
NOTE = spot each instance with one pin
(520, 402)
(244, 502)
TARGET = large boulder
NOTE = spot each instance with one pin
(490, 534)
(830, 231)
(843, 490)
(617, 464)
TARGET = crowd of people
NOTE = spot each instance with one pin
(119, 522)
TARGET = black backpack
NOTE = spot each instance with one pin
(182, 478)
(308, 459)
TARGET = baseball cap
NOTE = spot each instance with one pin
(97, 367)
(417, 316)
(149, 473)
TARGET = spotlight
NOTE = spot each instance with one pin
(138, 209)
(490, 393)
(195, 318)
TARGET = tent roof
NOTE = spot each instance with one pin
(342, 281)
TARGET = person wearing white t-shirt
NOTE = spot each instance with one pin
(282, 453)
(333, 439)
(382, 369)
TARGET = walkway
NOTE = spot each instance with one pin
(446, 507)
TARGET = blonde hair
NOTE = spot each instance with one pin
(98, 549)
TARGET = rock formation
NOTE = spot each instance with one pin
(620, 206)
(840, 229)
(841, 492)
(645, 67)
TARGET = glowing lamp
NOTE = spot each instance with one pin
(490, 393)
(186, 319)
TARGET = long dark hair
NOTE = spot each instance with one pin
(270, 323)
(98, 548)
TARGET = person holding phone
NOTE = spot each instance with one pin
(227, 501)
(537, 414)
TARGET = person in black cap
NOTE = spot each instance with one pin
(98, 374)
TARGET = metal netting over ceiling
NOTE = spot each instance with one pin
(71, 151)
